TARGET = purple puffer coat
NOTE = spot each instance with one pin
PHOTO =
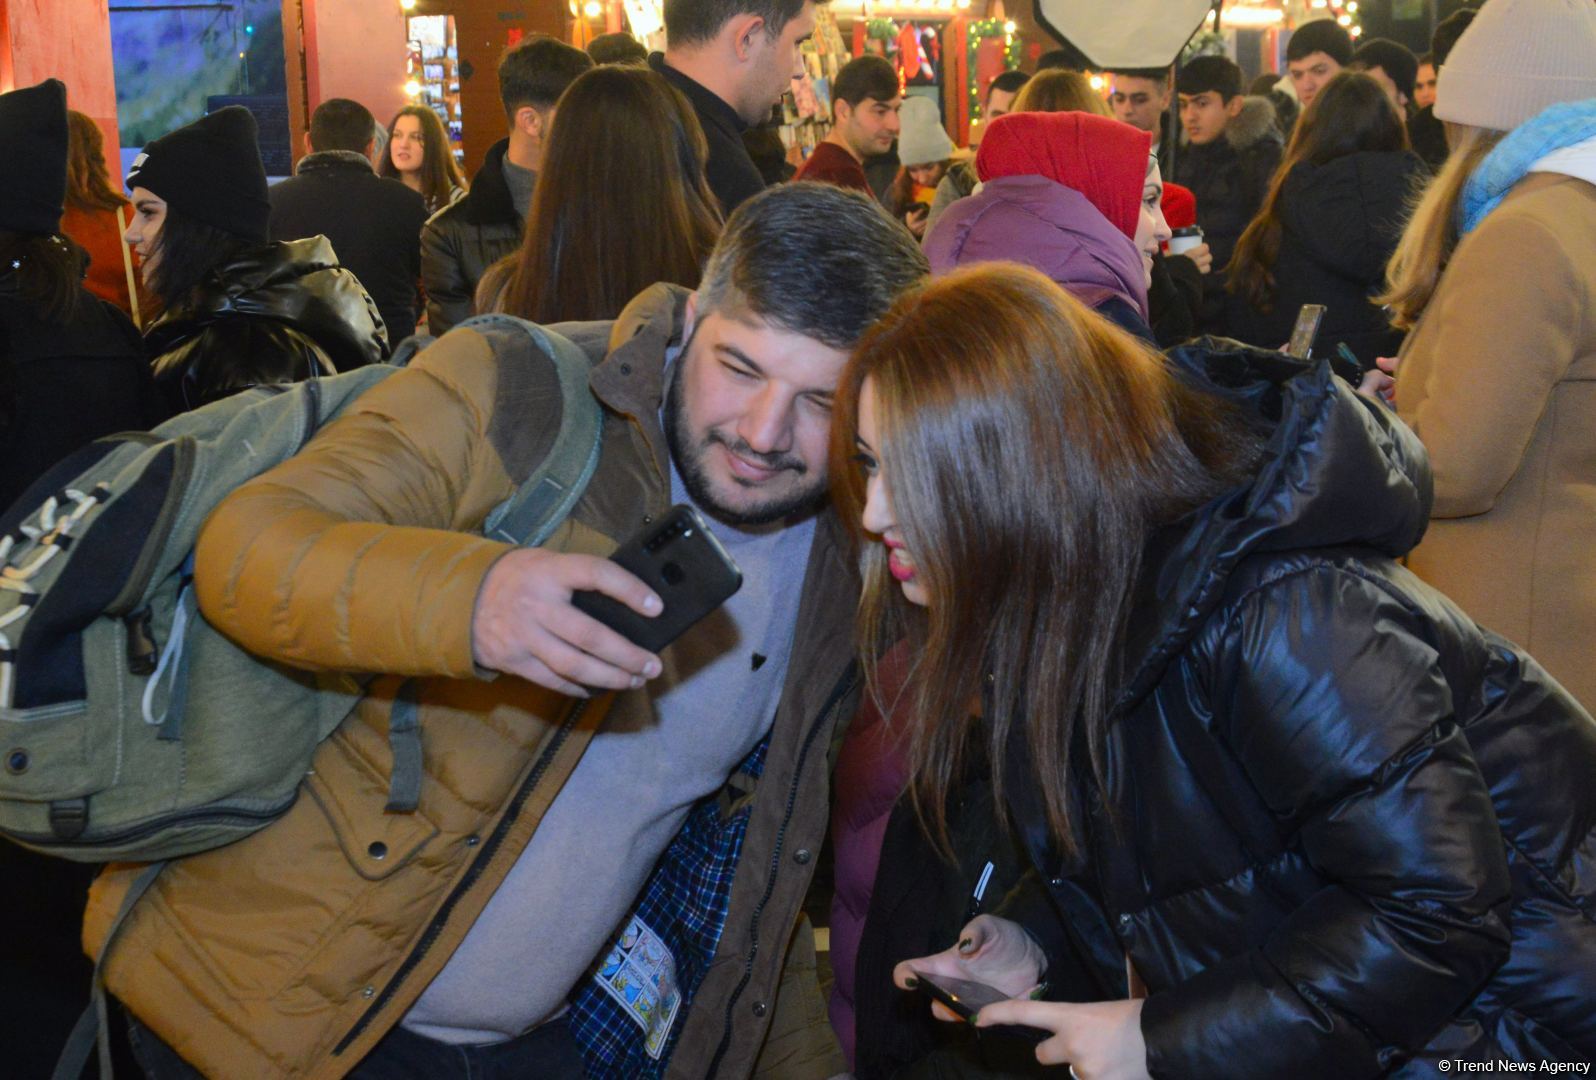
(1045, 225)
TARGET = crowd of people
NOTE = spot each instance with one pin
(1218, 706)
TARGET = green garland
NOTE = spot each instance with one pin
(977, 31)
(882, 30)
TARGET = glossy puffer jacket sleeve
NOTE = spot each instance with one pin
(1327, 688)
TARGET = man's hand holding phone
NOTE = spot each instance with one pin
(526, 625)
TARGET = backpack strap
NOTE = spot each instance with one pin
(526, 519)
(547, 496)
(93, 1029)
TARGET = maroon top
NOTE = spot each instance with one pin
(831, 164)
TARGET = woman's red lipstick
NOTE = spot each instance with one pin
(895, 565)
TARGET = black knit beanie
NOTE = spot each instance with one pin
(33, 183)
(210, 171)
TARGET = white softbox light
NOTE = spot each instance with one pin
(1117, 34)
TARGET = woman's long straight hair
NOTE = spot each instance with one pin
(1030, 448)
(621, 202)
(440, 173)
(187, 252)
(1351, 114)
(1432, 233)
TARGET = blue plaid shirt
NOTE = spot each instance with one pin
(683, 904)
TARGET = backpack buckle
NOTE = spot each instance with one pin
(68, 818)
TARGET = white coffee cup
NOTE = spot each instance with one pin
(1184, 239)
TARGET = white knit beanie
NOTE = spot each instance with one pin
(921, 138)
(1516, 59)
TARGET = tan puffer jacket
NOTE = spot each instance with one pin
(292, 952)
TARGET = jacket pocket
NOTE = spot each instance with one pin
(308, 906)
(354, 797)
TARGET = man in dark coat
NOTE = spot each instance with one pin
(1232, 150)
(733, 59)
(463, 239)
(374, 222)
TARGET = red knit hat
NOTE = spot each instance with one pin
(1180, 205)
(1102, 159)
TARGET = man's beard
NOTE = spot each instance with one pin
(690, 464)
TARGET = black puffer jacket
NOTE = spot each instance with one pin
(274, 314)
(1230, 176)
(1356, 832)
(462, 240)
(1340, 221)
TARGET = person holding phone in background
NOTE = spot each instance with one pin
(925, 154)
(1333, 827)
(1330, 221)
(544, 833)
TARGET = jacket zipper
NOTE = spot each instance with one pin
(775, 866)
(134, 833)
(490, 847)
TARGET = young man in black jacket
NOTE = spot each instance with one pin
(374, 222)
(464, 239)
(733, 59)
(1231, 150)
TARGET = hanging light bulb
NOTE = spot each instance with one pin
(412, 88)
(1010, 26)
(593, 9)
(1344, 20)
(408, 5)
(963, 4)
(1356, 31)
(1353, 6)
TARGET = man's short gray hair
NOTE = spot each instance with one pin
(814, 259)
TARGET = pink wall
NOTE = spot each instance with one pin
(68, 40)
(353, 49)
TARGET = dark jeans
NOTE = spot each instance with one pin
(548, 1052)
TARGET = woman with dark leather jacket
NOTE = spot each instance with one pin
(238, 310)
(1293, 814)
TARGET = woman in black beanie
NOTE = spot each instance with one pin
(71, 370)
(238, 310)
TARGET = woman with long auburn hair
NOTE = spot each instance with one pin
(95, 215)
(1306, 818)
(621, 203)
(1330, 221)
(418, 153)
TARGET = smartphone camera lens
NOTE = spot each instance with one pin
(672, 574)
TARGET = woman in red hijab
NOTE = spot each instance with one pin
(1074, 195)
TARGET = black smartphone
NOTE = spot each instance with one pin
(967, 997)
(1307, 328)
(682, 561)
(964, 996)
